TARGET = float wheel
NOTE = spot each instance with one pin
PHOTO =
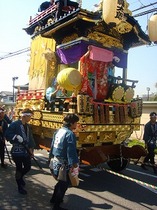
(118, 164)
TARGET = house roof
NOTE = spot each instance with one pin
(6, 93)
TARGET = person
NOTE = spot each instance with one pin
(150, 137)
(7, 119)
(61, 3)
(11, 114)
(63, 151)
(3, 128)
(20, 136)
(45, 5)
(53, 92)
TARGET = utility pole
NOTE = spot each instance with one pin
(14, 78)
(148, 89)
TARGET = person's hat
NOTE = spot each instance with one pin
(153, 114)
(26, 112)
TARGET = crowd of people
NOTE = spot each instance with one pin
(63, 149)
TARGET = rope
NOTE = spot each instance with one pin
(131, 179)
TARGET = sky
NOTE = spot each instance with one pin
(142, 61)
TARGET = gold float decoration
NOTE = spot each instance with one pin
(105, 40)
(118, 93)
(128, 94)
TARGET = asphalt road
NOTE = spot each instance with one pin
(100, 188)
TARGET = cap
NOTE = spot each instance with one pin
(153, 114)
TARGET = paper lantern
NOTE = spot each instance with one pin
(112, 11)
(70, 79)
(152, 28)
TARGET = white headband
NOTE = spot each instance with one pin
(26, 114)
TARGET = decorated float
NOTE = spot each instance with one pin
(80, 52)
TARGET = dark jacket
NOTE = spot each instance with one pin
(17, 128)
(4, 125)
(150, 132)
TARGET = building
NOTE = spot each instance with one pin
(148, 106)
(6, 96)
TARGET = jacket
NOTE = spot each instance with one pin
(150, 132)
(17, 128)
(64, 146)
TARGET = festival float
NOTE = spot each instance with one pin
(81, 51)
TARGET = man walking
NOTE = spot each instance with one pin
(150, 137)
(64, 153)
(20, 136)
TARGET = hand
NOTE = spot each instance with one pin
(75, 171)
(19, 138)
(58, 88)
(31, 152)
(1, 129)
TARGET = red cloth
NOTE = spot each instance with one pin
(94, 74)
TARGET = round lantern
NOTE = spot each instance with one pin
(70, 79)
(152, 28)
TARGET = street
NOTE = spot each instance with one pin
(100, 188)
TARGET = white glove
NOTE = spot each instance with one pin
(19, 138)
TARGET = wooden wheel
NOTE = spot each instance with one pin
(118, 164)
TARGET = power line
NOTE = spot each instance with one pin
(8, 55)
(144, 7)
(145, 12)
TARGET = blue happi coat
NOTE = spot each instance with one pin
(63, 149)
(17, 128)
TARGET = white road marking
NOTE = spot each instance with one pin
(148, 188)
(138, 172)
(96, 169)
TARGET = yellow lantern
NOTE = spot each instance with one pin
(152, 28)
(70, 79)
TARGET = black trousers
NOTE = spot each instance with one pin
(59, 191)
(23, 166)
(2, 151)
(150, 156)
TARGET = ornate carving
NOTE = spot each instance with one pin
(105, 40)
(70, 38)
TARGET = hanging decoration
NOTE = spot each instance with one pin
(152, 28)
(70, 79)
(113, 14)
